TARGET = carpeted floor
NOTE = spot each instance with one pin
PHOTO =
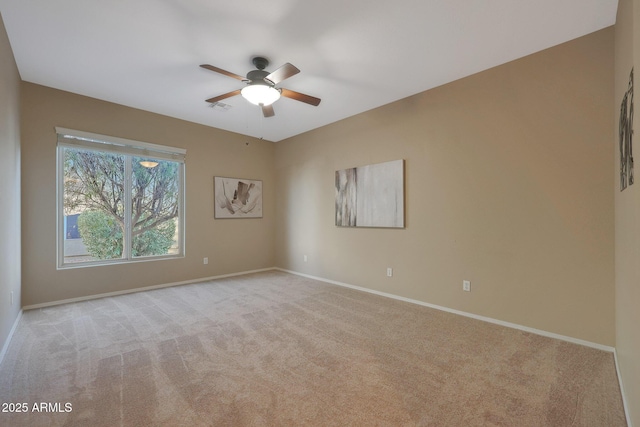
(274, 349)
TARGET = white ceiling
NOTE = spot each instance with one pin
(354, 54)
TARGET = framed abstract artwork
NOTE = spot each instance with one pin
(237, 198)
(371, 196)
(625, 132)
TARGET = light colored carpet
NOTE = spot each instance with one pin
(274, 349)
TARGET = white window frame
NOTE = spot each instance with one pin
(69, 138)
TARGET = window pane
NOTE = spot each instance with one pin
(155, 205)
(93, 205)
(116, 206)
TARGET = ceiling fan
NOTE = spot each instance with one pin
(261, 86)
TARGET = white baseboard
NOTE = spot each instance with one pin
(147, 288)
(461, 313)
(5, 347)
(624, 396)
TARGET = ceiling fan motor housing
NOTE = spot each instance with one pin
(257, 77)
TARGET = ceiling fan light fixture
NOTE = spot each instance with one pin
(261, 87)
(260, 94)
(148, 164)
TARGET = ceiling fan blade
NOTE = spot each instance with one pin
(308, 99)
(221, 71)
(225, 96)
(284, 72)
(267, 110)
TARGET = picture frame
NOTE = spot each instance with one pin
(237, 198)
(370, 196)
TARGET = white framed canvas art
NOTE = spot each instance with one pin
(371, 196)
(237, 198)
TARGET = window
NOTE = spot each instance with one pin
(118, 200)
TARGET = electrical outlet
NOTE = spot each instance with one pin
(389, 272)
(205, 260)
(305, 258)
(466, 285)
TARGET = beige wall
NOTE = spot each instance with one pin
(231, 245)
(627, 214)
(9, 187)
(508, 185)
